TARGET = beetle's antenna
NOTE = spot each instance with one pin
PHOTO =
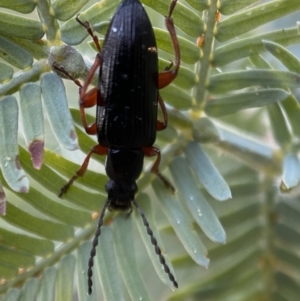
(154, 243)
(95, 244)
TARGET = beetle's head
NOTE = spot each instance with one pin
(120, 195)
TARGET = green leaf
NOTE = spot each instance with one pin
(45, 228)
(181, 224)
(199, 5)
(194, 28)
(47, 177)
(72, 33)
(229, 81)
(14, 54)
(33, 121)
(22, 77)
(30, 289)
(62, 213)
(12, 295)
(16, 258)
(22, 6)
(190, 52)
(8, 272)
(196, 203)
(259, 62)
(65, 279)
(291, 171)
(37, 48)
(55, 100)
(252, 151)
(177, 98)
(126, 259)
(47, 285)
(9, 152)
(64, 9)
(245, 47)
(292, 109)
(107, 269)
(169, 135)
(38, 247)
(287, 58)
(207, 173)
(279, 126)
(13, 25)
(94, 180)
(254, 17)
(226, 105)
(6, 72)
(228, 7)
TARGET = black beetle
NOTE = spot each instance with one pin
(127, 98)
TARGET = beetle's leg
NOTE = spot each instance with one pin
(153, 151)
(97, 149)
(161, 125)
(87, 99)
(89, 29)
(61, 69)
(167, 76)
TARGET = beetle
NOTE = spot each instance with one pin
(126, 99)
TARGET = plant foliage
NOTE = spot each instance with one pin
(236, 171)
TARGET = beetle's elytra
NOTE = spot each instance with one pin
(126, 97)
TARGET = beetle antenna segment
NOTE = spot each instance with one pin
(95, 244)
(154, 243)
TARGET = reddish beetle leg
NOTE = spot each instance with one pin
(87, 99)
(167, 76)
